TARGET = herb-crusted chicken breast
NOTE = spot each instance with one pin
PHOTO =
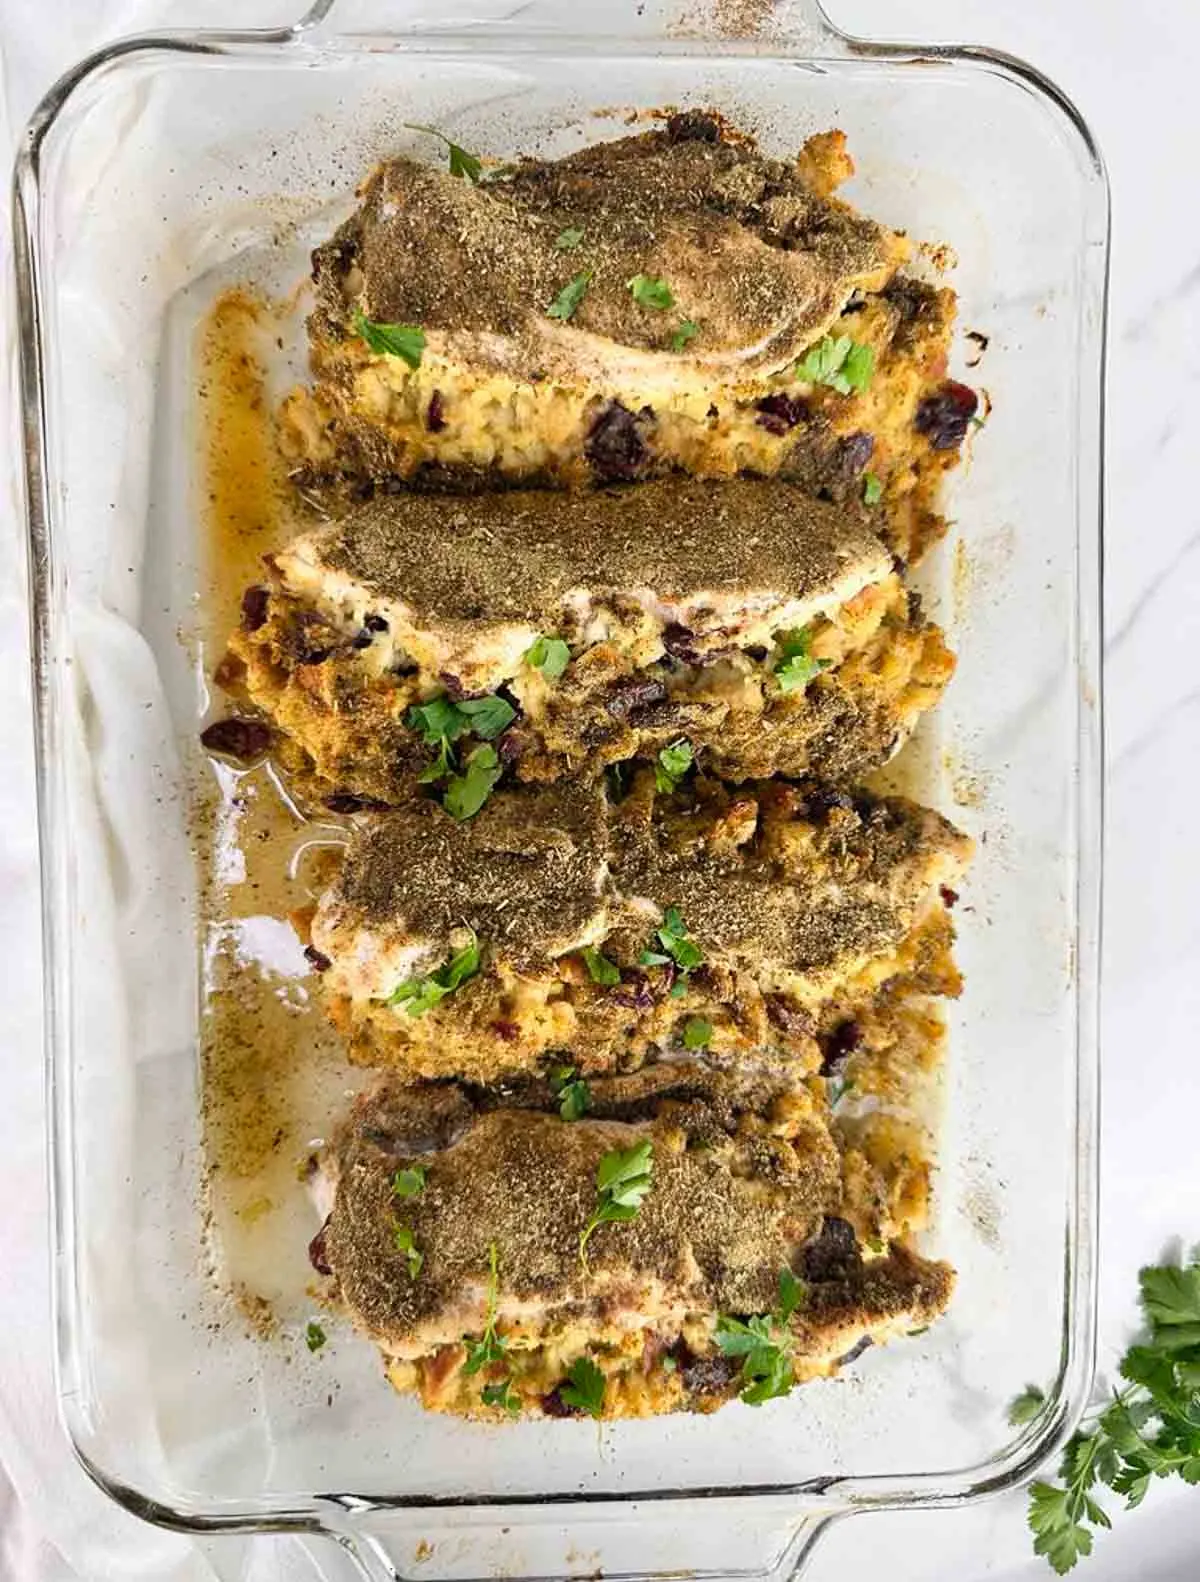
(669, 300)
(744, 624)
(458, 1240)
(559, 927)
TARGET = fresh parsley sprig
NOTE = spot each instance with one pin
(421, 994)
(842, 363)
(672, 764)
(409, 1182)
(405, 1243)
(600, 969)
(623, 1179)
(490, 1347)
(1150, 1429)
(572, 1092)
(585, 1387)
(550, 655)
(571, 295)
(687, 331)
(651, 291)
(469, 166)
(676, 947)
(764, 1344)
(795, 666)
(406, 341)
(440, 723)
(503, 1396)
(314, 1335)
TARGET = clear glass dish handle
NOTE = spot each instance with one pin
(800, 25)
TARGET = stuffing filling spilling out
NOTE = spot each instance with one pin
(592, 627)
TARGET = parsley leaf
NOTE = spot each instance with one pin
(487, 716)
(687, 331)
(550, 655)
(409, 1182)
(437, 721)
(571, 295)
(490, 1347)
(1026, 1406)
(795, 666)
(1171, 1296)
(586, 1387)
(765, 1344)
(502, 1395)
(672, 764)
(792, 1293)
(673, 937)
(623, 1179)
(461, 163)
(314, 1335)
(466, 793)
(419, 995)
(403, 1236)
(842, 364)
(567, 241)
(872, 489)
(391, 340)
(650, 291)
(573, 1094)
(697, 1033)
(600, 969)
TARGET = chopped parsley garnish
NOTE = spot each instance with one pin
(487, 716)
(418, 995)
(437, 721)
(502, 1395)
(1150, 1429)
(649, 291)
(550, 655)
(842, 364)
(461, 163)
(391, 340)
(795, 667)
(622, 1181)
(314, 1335)
(697, 1033)
(600, 969)
(572, 1092)
(567, 241)
(571, 295)
(403, 1236)
(409, 1182)
(585, 1388)
(872, 489)
(686, 331)
(441, 722)
(466, 793)
(673, 937)
(764, 1344)
(490, 1347)
(672, 763)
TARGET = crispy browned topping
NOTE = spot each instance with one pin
(516, 555)
(717, 1226)
(752, 254)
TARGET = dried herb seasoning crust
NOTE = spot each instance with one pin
(765, 272)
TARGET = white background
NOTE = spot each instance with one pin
(1132, 69)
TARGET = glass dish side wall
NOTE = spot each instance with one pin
(165, 166)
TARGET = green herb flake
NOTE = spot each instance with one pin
(487, 717)
(697, 1033)
(764, 1342)
(572, 1092)
(314, 1335)
(842, 364)
(571, 295)
(672, 763)
(421, 994)
(567, 241)
(466, 793)
(403, 1237)
(550, 655)
(623, 1179)
(600, 969)
(503, 1396)
(409, 1183)
(795, 666)
(872, 489)
(585, 1387)
(649, 291)
(673, 937)
(490, 1347)
(437, 721)
(461, 163)
(406, 341)
(687, 331)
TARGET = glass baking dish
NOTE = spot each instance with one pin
(161, 169)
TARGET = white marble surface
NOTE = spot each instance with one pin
(1132, 70)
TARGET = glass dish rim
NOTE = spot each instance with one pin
(810, 1498)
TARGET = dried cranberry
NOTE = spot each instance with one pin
(789, 1017)
(944, 416)
(633, 693)
(679, 642)
(854, 452)
(345, 802)
(693, 126)
(317, 959)
(837, 1046)
(375, 623)
(237, 738)
(254, 608)
(634, 993)
(554, 1406)
(949, 896)
(832, 1254)
(363, 639)
(316, 1251)
(435, 416)
(508, 1031)
(614, 445)
(778, 413)
(820, 801)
